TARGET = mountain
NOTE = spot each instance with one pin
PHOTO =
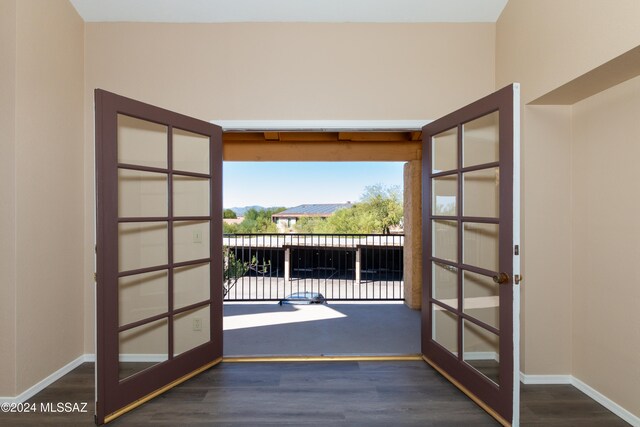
(240, 211)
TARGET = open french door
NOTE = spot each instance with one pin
(159, 253)
(471, 296)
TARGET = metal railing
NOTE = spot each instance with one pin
(270, 267)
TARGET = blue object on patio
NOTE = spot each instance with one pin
(304, 298)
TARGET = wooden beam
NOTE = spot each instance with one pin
(334, 151)
(272, 136)
(243, 136)
(308, 136)
(374, 136)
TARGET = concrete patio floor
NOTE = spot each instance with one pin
(268, 329)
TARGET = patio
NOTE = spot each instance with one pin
(337, 328)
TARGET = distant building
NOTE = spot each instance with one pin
(286, 220)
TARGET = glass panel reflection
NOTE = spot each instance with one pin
(142, 194)
(190, 240)
(191, 329)
(445, 240)
(481, 193)
(480, 140)
(143, 347)
(445, 195)
(445, 328)
(480, 245)
(142, 296)
(141, 142)
(142, 245)
(482, 350)
(190, 151)
(445, 150)
(190, 196)
(481, 298)
(191, 284)
(445, 284)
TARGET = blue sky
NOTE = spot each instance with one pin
(294, 183)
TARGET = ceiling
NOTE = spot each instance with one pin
(289, 10)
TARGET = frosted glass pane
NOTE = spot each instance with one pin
(480, 140)
(190, 196)
(142, 296)
(142, 194)
(445, 240)
(445, 328)
(142, 245)
(482, 350)
(143, 347)
(141, 142)
(445, 195)
(445, 150)
(191, 284)
(445, 284)
(190, 151)
(480, 245)
(191, 329)
(481, 298)
(481, 191)
(190, 240)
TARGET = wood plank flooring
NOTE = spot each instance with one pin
(317, 393)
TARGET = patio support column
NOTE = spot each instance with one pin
(358, 273)
(412, 257)
(287, 264)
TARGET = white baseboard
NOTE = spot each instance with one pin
(606, 402)
(632, 419)
(545, 379)
(41, 385)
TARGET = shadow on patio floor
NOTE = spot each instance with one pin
(311, 330)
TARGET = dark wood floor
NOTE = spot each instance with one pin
(317, 393)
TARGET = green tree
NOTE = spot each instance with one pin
(234, 269)
(309, 224)
(255, 221)
(229, 228)
(379, 209)
(229, 214)
(384, 204)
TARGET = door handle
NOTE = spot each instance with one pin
(501, 278)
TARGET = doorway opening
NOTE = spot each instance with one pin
(314, 260)
(159, 228)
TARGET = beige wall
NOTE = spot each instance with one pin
(544, 44)
(283, 71)
(49, 205)
(7, 197)
(606, 201)
(546, 244)
(576, 284)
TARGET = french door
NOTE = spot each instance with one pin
(159, 253)
(470, 309)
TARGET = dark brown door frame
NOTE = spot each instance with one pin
(498, 401)
(114, 397)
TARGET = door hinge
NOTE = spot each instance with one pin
(517, 279)
(516, 250)
(95, 277)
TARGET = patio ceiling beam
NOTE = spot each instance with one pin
(322, 146)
